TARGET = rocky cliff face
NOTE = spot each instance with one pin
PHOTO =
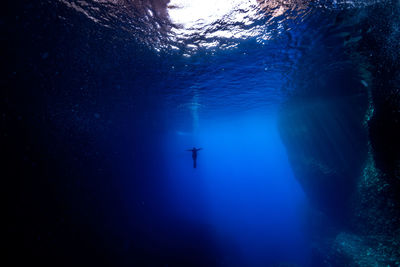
(327, 147)
(343, 142)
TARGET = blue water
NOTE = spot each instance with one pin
(134, 84)
(243, 192)
(243, 188)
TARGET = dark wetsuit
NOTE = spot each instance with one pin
(194, 155)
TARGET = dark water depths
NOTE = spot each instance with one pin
(133, 84)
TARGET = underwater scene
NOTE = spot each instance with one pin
(204, 133)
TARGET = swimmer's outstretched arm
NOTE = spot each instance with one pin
(199, 149)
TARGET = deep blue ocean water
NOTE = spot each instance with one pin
(135, 84)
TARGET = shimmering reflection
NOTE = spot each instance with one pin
(210, 18)
(187, 25)
(223, 24)
(245, 54)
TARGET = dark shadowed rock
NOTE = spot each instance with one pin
(346, 152)
(327, 145)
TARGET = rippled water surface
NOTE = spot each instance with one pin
(253, 49)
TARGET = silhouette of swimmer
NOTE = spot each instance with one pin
(194, 155)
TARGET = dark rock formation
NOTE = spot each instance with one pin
(327, 146)
(345, 151)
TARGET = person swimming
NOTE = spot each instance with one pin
(194, 155)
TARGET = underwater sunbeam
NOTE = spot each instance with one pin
(243, 187)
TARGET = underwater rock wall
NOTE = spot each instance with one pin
(345, 151)
(327, 146)
(322, 126)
